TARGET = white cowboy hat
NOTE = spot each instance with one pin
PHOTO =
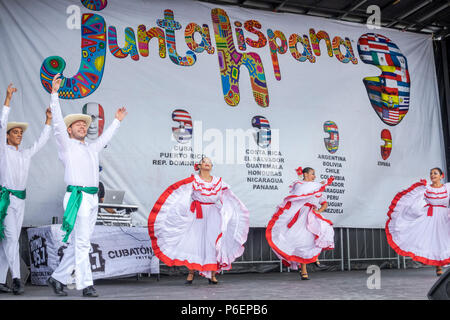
(71, 118)
(12, 125)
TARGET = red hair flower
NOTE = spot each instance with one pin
(196, 168)
(299, 170)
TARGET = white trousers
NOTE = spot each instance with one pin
(76, 256)
(9, 246)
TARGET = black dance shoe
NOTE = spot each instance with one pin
(320, 266)
(58, 287)
(90, 292)
(17, 287)
(304, 276)
(4, 288)
(210, 281)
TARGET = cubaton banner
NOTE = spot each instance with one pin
(114, 252)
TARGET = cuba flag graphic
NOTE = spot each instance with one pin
(182, 133)
(263, 135)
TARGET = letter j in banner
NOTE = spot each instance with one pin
(90, 73)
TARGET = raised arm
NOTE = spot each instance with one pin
(101, 142)
(5, 113)
(61, 135)
(9, 93)
(3, 126)
(45, 134)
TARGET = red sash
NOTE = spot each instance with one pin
(430, 209)
(196, 206)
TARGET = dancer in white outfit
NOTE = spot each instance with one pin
(418, 224)
(199, 223)
(14, 165)
(81, 165)
(297, 232)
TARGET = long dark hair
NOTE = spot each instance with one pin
(438, 169)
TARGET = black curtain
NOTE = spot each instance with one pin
(442, 61)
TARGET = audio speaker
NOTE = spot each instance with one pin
(441, 288)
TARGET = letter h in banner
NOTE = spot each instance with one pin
(230, 62)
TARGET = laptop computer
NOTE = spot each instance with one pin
(114, 196)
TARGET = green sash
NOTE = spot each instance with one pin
(4, 204)
(70, 215)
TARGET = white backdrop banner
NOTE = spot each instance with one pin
(260, 93)
(115, 251)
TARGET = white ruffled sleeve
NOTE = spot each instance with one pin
(410, 202)
(301, 190)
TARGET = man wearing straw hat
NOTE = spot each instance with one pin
(14, 165)
(81, 164)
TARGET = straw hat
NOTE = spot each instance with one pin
(71, 118)
(12, 125)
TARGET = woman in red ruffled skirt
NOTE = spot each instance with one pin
(418, 224)
(297, 232)
(199, 223)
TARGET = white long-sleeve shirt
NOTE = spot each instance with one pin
(15, 163)
(80, 159)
